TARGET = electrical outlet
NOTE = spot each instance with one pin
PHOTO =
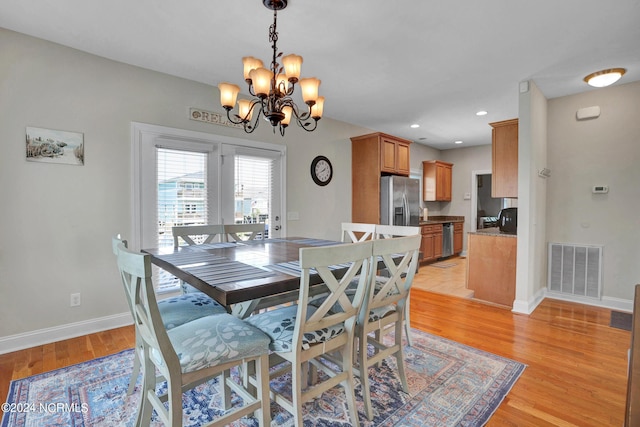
(75, 300)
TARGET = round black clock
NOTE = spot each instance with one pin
(321, 170)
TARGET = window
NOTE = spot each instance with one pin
(178, 173)
(184, 178)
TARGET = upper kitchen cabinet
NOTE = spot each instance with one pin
(436, 181)
(394, 155)
(372, 156)
(504, 155)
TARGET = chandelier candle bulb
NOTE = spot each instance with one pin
(288, 112)
(309, 87)
(316, 109)
(261, 80)
(250, 63)
(292, 66)
(282, 84)
(228, 94)
(244, 109)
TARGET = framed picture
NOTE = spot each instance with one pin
(54, 146)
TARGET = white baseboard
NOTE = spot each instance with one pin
(527, 306)
(71, 330)
(605, 302)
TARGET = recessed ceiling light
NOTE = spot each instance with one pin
(604, 77)
(481, 113)
(457, 142)
(415, 125)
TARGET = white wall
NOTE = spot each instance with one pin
(602, 151)
(57, 220)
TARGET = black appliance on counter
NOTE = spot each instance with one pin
(508, 220)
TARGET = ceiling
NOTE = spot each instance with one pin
(384, 65)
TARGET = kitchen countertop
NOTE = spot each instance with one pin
(492, 231)
(441, 219)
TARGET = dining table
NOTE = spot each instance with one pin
(244, 276)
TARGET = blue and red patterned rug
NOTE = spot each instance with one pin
(450, 385)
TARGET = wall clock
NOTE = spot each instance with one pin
(321, 170)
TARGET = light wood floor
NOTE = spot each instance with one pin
(576, 374)
(444, 277)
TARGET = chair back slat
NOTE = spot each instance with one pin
(135, 271)
(244, 232)
(395, 288)
(384, 231)
(206, 234)
(337, 307)
(357, 232)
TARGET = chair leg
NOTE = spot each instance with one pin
(347, 384)
(297, 377)
(364, 375)
(135, 371)
(145, 408)
(174, 389)
(261, 367)
(407, 322)
(399, 354)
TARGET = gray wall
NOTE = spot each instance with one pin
(57, 220)
(602, 151)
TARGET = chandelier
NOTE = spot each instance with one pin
(272, 89)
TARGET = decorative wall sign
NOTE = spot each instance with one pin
(211, 117)
(54, 146)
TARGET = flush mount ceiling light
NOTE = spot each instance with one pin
(272, 89)
(481, 113)
(605, 77)
(415, 126)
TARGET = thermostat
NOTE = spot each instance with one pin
(600, 189)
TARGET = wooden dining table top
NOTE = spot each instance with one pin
(238, 272)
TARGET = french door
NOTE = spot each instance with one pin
(189, 178)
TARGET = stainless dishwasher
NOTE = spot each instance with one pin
(447, 239)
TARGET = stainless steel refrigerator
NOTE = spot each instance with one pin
(399, 200)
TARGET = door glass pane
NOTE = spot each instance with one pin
(182, 191)
(253, 189)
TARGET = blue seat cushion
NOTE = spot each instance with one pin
(279, 325)
(176, 311)
(214, 340)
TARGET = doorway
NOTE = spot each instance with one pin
(484, 208)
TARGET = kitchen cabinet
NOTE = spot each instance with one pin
(436, 180)
(457, 237)
(431, 244)
(491, 267)
(372, 156)
(504, 157)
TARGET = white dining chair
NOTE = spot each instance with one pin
(383, 310)
(244, 232)
(193, 353)
(390, 231)
(191, 235)
(174, 311)
(302, 333)
(197, 234)
(357, 231)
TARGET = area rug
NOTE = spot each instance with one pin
(450, 385)
(443, 264)
(621, 320)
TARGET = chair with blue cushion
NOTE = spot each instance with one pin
(193, 353)
(174, 312)
(388, 232)
(190, 235)
(244, 232)
(302, 333)
(383, 310)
